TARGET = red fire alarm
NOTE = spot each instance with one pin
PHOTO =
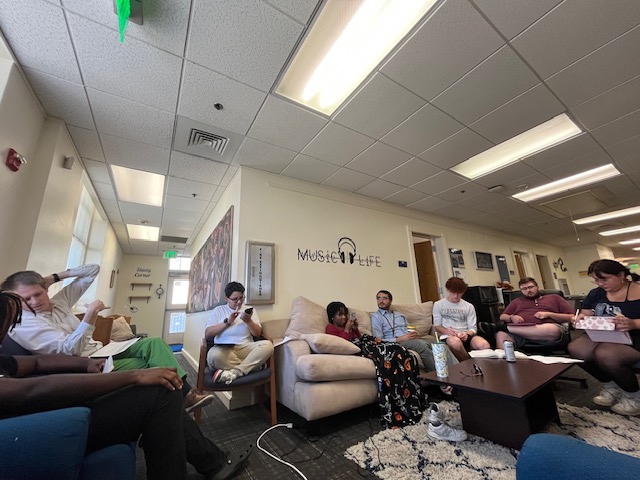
(14, 160)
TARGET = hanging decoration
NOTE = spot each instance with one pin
(124, 11)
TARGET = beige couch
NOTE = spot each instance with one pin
(319, 375)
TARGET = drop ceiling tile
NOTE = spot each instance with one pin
(337, 144)
(564, 152)
(571, 33)
(140, 247)
(458, 39)
(379, 189)
(87, 143)
(111, 207)
(185, 204)
(97, 171)
(609, 105)
(485, 201)
(203, 88)
(619, 130)
(136, 155)
(439, 183)
(114, 217)
(188, 188)
(39, 38)
(378, 107)
(104, 190)
(228, 175)
(500, 78)
(309, 169)
(405, 197)
(378, 159)
(135, 121)
(130, 72)
(457, 212)
(514, 185)
(134, 212)
(599, 71)
(578, 165)
(300, 10)
(196, 168)
(62, 99)
(533, 107)
(513, 16)
(422, 130)
(459, 147)
(245, 40)
(460, 192)
(429, 204)
(414, 171)
(179, 219)
(627, 152)
(285, 124)
(164, 23)
(511, 172)
(348, 180)
(263, 156)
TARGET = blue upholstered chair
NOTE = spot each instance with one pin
(51, 445)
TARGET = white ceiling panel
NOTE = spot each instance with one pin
(440, 182)
(429, 204)
(337, 144)
(460, 192)
(456, 149)
(111, 207)
(378, 159)
(580, 164)
(228, 175)
(627, 152)
(136, 155)
(457, 212)
(87, 143)
(190, 189)
(104, 190)
(574, 148)
(300, 10)
(422, 130)
(196, 168)
(458, 39)
(180, 219)
(134, 212)
(121, 117)
(515, 171)
(263, 156)
(304, 167)
(245, 40)
(203, 88)
(114, 216)
(98, 171)
(139, 247)
(512, 16)
(379, 189)
(414, 171)
(285, 124)
(185, 204)
(348, 180)
(405, 197)
(501, 77)
(378, 107)
(619, 130)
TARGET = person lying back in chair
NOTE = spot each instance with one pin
(235, 353)
(535, 319)
(49, 326)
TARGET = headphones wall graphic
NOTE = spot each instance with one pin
(345, 243)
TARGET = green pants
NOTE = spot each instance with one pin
(147, 353)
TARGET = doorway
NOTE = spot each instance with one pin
(518, 257)
(426, 269)
(545, 271)
(175, 310)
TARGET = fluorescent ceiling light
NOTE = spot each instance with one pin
(620, 231)
(143, 232)
(346, 42)
(569, 183)
(637, 248)
(557, 130)
(630, 242)
(607, 216)
(136, 186)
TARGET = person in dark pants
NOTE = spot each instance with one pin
(124, 405)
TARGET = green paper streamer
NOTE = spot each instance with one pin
(124, 10)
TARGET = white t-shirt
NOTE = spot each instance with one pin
(460, 316)
(237, 332)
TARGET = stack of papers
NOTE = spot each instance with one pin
(114, 348)
(497, 353)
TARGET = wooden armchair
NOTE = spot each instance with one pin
(104, 325)
(254, 379)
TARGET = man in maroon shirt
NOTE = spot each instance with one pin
(534, 319)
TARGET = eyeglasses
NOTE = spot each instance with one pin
(382, 298)
(237, 299)
(600, 281)
(530, 287)
(477, 372)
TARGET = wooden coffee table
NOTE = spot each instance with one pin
(509, 402)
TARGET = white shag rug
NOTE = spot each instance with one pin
(410, 454)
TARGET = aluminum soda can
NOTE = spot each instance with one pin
(509, 353)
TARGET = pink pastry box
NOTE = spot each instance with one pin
(596, 323)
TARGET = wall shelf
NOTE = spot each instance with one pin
(148, 285)
(131, 299)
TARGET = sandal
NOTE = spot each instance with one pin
(235, 461)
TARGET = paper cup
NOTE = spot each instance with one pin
(440, 358)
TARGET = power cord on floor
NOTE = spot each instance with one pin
(293, 467)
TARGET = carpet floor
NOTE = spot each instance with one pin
(410, 454)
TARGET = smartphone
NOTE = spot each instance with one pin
(249, 311)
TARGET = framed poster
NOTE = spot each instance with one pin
(259, 277)
(503, 270)
(457, 260)
(484, 261)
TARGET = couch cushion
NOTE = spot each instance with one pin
(420, 315)
(323, 343)
(364, 320)
(306, 317)
(325, 368)
(121, 330)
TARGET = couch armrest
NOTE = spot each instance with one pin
(287, 356)
(275, 328)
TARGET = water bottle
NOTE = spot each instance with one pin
(509, 354)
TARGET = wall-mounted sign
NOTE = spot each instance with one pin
(457, 260)
(260, 278)
(346, 253)
(169, 254)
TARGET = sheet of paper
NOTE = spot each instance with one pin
(283, 341)
(549, 360)
(610, 336)
(114, 348)
(108, 365)
(497, 353)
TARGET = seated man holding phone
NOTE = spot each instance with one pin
(235, 353)
(534, 319)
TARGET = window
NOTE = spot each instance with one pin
(180, 264)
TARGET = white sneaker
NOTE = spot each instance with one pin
(607, 397)
(224, 376)
(627, 406)
(442, 431)
(435, 415)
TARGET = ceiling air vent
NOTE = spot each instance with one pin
(202, 140)
(170, 239)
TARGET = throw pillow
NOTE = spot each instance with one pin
(306, 317)
(325, 343)
(419, 315)
(121, 330)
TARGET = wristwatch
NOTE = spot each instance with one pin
(226, 320)
(56, 277)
